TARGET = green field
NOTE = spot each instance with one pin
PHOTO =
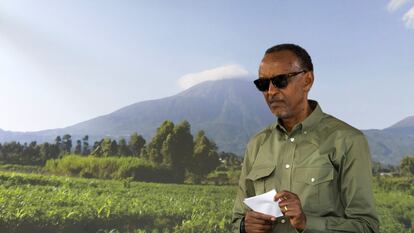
(39, 203)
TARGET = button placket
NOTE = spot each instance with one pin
(288, 164)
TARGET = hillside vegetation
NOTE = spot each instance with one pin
(37, 203)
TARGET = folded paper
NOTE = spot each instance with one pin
(264, 204)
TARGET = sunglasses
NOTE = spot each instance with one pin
(280, 81)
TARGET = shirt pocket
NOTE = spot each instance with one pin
(260, 176)
(315, 187)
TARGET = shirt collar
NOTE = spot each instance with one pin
(309, 122)
(314, 118)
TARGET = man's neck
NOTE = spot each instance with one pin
(290, 123)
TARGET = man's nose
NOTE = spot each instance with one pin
(272, 89)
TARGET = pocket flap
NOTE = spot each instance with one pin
(260, 172)
(314, 175)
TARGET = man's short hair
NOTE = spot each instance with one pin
(303, 56)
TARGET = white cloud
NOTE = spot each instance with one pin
(408, 18)
(394, 5)
(222, 72)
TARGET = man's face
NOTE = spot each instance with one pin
(287, 102)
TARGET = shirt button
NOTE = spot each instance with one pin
(313, 180)
(305, 132)
(292, 139)
(283, 221)
(287, 166)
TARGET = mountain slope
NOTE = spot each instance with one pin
(389, 147)
(404, 127)
(230, 111)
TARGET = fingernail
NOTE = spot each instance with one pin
(273, 219)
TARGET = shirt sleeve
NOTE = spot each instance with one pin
(240, 208)
(356, 193)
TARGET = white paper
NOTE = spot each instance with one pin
(264, 204)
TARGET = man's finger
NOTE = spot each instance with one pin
(289, 202)
(261, 216)
(256, 221)
(284, 195)
(258, 228)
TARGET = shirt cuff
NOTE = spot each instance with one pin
(315, 224)
(236, 226)
(242, 227)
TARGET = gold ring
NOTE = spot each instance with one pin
(285, 197)
(286, 208)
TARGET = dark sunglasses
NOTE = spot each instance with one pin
(280, 81)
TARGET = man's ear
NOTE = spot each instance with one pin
(308, 81)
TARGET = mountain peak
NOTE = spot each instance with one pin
(217, 86)
(406, 122)
(403, 127)
(230, 111)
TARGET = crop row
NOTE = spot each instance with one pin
(39, 203)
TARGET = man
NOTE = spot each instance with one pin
(319, 165)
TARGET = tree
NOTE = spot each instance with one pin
(155, 146)
(12, 151)
(58, 140)
(206, 158)
(58, 143)
(48, 151)
(177, 149)
(230, 159)
(113, 149)
(106, 147)
(78, 148)
(96, 144)
(67, 143)
(407, 165)
(97, 148)
(1, 152)
(144, 153)
(30, 155)
(135, 144)
(123, 148)
(85, 146)
(166, 150)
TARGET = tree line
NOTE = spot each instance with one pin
(37, 154)
(404, 168)
(172, 146)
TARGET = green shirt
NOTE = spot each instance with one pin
(325, 161)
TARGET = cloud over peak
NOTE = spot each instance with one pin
(218, 73)
(408, 17)
(394, 5)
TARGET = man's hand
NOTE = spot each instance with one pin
(255, 222)
(290, 206)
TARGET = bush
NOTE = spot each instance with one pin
(21, 168)
(109, 168)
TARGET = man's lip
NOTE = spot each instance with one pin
(275, 102)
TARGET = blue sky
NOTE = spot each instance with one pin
(63, 62)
